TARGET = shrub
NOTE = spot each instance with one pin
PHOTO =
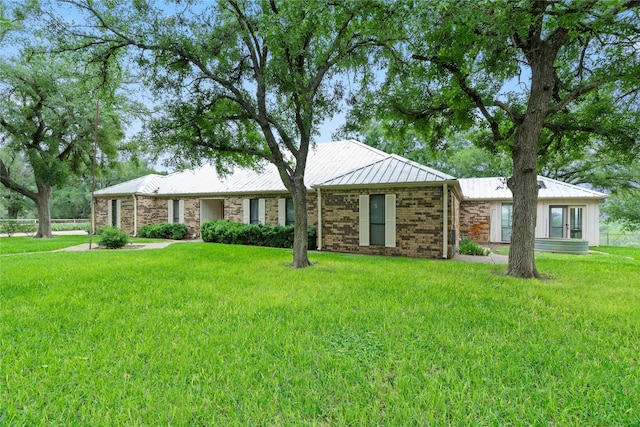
(469, 247)
(9, 227)
(164, 230)
(235, 233)
(112, 237)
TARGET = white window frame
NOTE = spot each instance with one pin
(246, 207)
(170, 211)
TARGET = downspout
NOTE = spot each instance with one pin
(445, 221)
(319, 231)
(135, 216)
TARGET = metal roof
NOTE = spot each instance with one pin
(144, 185)
(391, 170)
(325, 161)
(496, 189)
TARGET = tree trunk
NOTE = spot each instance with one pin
(42, 201)
(300, 236)
(524, 182)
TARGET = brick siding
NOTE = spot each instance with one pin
(475, 221)
(418, 222)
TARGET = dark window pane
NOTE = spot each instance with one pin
(176, 211)
(376, 219)
(290, 216)
(114, 213)
(254, 217)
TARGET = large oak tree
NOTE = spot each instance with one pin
(238, 82)
(543, 78)
(47, 115)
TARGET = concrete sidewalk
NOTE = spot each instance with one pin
(489, 259)
(130, 246)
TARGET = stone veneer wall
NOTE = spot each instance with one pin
(475, 221)
(102, 207)
(418, 222)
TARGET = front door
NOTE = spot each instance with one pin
(566, 222)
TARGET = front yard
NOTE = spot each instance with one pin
(207, 334)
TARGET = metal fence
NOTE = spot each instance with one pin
(620, 239)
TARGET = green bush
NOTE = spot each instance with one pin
(11, 227)
(164, 230)
(235, 233)
(469, 247)
(112, 237)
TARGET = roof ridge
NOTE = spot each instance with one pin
(356, 169)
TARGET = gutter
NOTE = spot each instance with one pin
(135, 216)
(319, 230)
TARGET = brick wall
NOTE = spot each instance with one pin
(234, 209)
(418, 222)
(475, 221)
(103, 206)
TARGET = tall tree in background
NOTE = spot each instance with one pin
(47, 113)
(242, 81)
(542, 78)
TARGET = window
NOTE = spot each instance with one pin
(176, 211)
(115, 214)
(254, 211)
(377, 215)
(506, 221)
(254, 217)
(376, 219)
(290, 215)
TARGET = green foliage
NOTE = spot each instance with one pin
(112, 237)
(241, 82)
(164, 230)
(624, 208)
(235, 233)
(232, 336)
(469, 247)
(11, 227)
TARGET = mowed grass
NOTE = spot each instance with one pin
(206, 334)
(22, 244)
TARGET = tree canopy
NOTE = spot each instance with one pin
(47, 114)
(239, 81)
(542, 79)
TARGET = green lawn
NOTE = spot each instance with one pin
(207, 334)
(23, 244)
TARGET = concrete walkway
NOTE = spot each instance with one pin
(129, 246)
(489, 259)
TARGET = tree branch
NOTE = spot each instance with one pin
(473, 94)
(7, 181)
(576, 93)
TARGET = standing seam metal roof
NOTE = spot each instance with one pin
(324, 162)
(391, 170)
(495, 188)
